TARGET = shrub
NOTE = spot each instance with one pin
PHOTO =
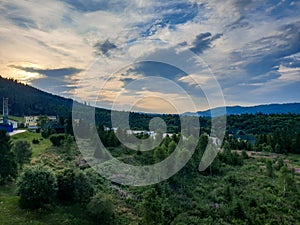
(37, 187)
(245, 155)
(57, 139)
(101, 209)
(65, 182)
(8, 165)
(47, 132)
(35, 141)
(83, 188)
(22, 151)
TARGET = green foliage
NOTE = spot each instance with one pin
(11, 214)
(37, 149)
(8, 166)
(47, 132)
(226, 147)
(22, 151)
(245, 155)
(37, 187)
(288, 181)
(200, 148)
(237, 211)
(270, 170)
(234, 190)
(160, 153)
(35, 141)
(108, 138)
(231, 158)
(171, 147)
(151, 208)
(65, 183)
(83, 188)
(57, 139)
(101, 209)
(191, 218)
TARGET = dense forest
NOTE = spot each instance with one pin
(57, 186)
(25, 100)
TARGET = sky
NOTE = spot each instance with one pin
(155, 56)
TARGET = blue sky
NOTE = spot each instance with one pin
(80, 48)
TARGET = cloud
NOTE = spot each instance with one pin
(61, 72)
(52, 80)
(263, 56)
(203, 42)
(84, 6)
(247, 45)
(158, 69)
(105, 47)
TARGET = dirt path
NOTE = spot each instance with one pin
(16, 132)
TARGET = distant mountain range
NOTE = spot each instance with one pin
(285, 108)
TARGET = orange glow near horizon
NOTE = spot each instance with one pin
(22, 75)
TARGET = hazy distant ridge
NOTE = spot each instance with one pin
(286, 108)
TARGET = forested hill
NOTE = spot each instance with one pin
(27, 100)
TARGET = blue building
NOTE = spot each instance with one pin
(8, 127)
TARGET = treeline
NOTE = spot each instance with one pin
(257, 124)
(271, 133)
(281, 141)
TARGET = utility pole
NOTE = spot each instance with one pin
(5, 111)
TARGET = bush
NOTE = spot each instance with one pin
(47, 132)
(8, 165)
(57, 139)
(65, 182)
(22, 152)
(101, 209)
(245, 155)
(35, 141)
(37, 188)
(83, 188)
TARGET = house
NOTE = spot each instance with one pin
(137, 132)
(54, 125)
(12, 122)
(241, 135)
(32, 121)
(6, 127)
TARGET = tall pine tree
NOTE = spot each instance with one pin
(8, 165)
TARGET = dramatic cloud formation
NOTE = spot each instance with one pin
(252, 48)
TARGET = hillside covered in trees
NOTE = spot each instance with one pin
(26, 100)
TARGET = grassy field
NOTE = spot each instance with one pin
(15, 118)
(11, 214)
(37, 149)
